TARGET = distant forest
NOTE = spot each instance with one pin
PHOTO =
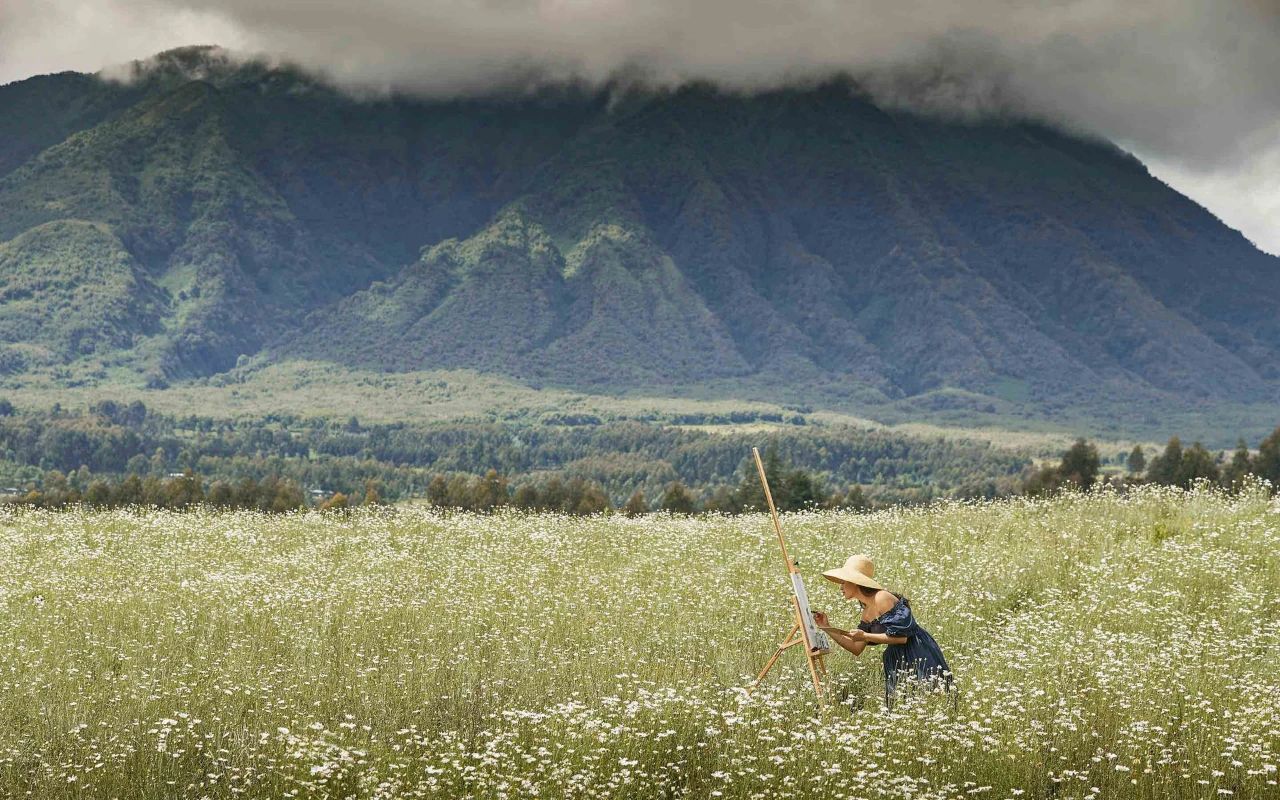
(114, 454)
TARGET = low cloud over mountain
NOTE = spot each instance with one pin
(1188, 84)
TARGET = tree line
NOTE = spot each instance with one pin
(281, 463)
(181, 491)
(111, 440)
(1177, 465)
(793, 489)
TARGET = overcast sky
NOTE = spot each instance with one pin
(1190, 86)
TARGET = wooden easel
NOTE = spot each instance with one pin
(799, 633)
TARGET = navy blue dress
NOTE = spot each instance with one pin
(920, 656)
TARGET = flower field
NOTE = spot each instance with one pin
(1103, 646)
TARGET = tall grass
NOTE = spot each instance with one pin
(1104, 646)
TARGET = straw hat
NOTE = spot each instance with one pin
(858, 569)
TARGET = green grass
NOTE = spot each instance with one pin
(1104, 646)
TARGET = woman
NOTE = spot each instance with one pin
(886, 620)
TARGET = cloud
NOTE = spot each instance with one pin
(1246, 197)
(1193, 85)
(44, 36)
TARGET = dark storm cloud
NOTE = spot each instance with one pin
(1193, 84)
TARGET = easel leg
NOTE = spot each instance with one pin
(809, 655)
(813, 672)
(790, 641)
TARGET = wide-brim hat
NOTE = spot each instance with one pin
(858, 569)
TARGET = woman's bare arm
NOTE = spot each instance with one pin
(853, 642)
(883, 638)
(846, 640)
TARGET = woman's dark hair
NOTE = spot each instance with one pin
(868, 592)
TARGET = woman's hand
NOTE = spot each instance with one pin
(821, 619)
(854, 641)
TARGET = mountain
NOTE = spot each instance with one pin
(670, 241)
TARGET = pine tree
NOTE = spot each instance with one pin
(98, 494)
(54, 481)
(636, 505)
(246, 493)
(855, 499)
(1080, 464)
(338, 502)
(220, 495)
(1241, 464)
(1197, 463)
(593, 500)
(184, 491)
(128, 492)
(490, 492)
(553, 495)
(574, 491)
(677, 500)
(438, 491)
(1267, 463)
(1165, 468)
(1043, 481)
(526, 497)
(80, 479)
(800, 491)
(458, 493)
(751, 493)
(1137, 460)
(288, 496)
(724, 500)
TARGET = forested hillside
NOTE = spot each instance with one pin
(112, 440)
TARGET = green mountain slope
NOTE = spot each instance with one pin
(837, 245)
(254, 197)
(71, 288)
(43, 111)
(683, 241)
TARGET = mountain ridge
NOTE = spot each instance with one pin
(609, 242)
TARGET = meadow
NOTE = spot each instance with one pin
(1103, 645)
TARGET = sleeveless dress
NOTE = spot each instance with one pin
(919, 657)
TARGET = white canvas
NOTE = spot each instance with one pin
(817, 637)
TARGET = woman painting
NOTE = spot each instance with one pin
(886, 620)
